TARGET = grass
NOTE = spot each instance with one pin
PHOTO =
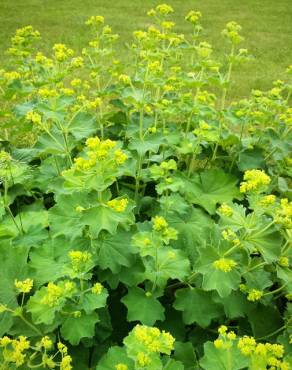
(266, 28)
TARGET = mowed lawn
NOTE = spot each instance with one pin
(267, 28)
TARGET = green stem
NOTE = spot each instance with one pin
(30, 324)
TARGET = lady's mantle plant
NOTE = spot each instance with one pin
(141, 209)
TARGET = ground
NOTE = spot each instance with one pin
(266, 27)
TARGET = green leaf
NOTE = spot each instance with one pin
(193, 228)
(42, 313)
(114, 251)
(214, 279)
(223, 359)
(91, 301)
(170, 263)
(185, 353)
(115, 356)
(197, 306)
(47, 262)
(82, 126)
(143, 308)
(210, 188)
(103, 217)
(13, 266)
(74, 329)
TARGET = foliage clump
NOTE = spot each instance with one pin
(141, 208)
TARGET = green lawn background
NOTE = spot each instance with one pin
(267, 28)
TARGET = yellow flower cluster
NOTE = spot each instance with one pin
(143, 360)
(22, 39)
(95, 20)
(5, 157)
(268, 200)
(24, 286)
(46, 343)
(66, 363)
(283, 261)
(255, 180)
(231, 32)
(11, 76)
(231, 236)
(97, 288)
(125, 79)
(34, 117)
(53, 295)
(41, 59)
(193, 16)
(62, 53)
(254, 295)
(159, 223)
(225, 210)
(99, 150)
(153, 339)
(79, 259)
(118, 205)
(164, 9)
(13, 349)
(284, 214)
(224, 264)
(121, 366)
(45, 93)
(225, 339)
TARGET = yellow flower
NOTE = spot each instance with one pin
(76, 82)
(283, 261)
(34, 117)
(97, 288)
(54, 293)
(222, 329)
(66, 363)
(231, 335)
(24, 286)
(246, 345)
(255, 180)
(224, 264)
(118, 205)
(254, 295)
(193, 16)
(159, 223)
(46, 342)
(283, 214)
(79, 259)
(11, 76)
(268, 200)
(142, 359)
(121, 367)
(164, 9)
(218, 343)
(225, 210)
(125, 79)
(95, 20)
(120, 156)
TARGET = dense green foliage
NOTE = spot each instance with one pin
(145, 223)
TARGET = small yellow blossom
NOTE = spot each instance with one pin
(34, 117)
(224, 264)
(284, 261)
(159, 223)
(225, 210)
(24, 286)
(95, 20)
(254, 295)
(121, 367)
(218, 343)
(66, 363)
(46, 342)
(142, 359)
(255, 180)
(246, 345)
(97, 288)
(164, 9)
(222, 329)
(118, 205)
